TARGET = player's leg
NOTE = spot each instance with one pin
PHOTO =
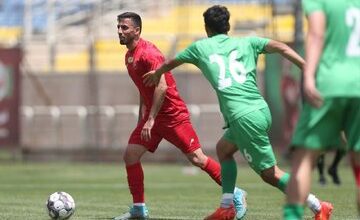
(352, 131)
(183, 136)
(275, 177)
(135, 178)
(206, 163)
(225, 151)
(135, 174)
(339, 154)
(318, 129)
(320, 166)
(355, 162)
(299, 184)
(237, 196)
(333, 169)
(239, 136)
(278, 178)
(134, 151)
(257, 150)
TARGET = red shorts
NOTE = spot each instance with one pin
(181, 134)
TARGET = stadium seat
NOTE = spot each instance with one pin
(10, 35)
(171, 30)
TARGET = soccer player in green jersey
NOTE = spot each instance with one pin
(332, 92)
(229, 64)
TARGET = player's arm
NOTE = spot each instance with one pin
(286, 51)
(153, 77)
(313, 47)
(158, 99)
(314, 43)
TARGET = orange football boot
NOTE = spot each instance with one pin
(325, 211)
(222, 214)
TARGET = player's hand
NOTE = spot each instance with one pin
(146, 130)
(151, 78)
(312, 95)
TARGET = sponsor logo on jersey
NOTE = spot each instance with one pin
(130, 59)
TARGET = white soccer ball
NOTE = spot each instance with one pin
(60, 206)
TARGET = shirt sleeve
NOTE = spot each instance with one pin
(258, 44)
(189, 55)
(311, 6)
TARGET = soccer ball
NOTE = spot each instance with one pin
(60, 206)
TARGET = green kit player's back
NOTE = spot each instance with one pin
(339, 66)
(230, 66)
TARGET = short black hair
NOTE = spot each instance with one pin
(217, 19)
(136, 19)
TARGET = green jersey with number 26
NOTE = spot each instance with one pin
(338, 72)
(229, 64)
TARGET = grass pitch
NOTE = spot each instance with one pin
(172, 191)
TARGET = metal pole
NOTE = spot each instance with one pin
(298, 26)
(27, 21)
(274, 20)
(51, 33)
(92, 77)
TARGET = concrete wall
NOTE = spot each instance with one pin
(68, 136)
(113, 89)
(42, 140)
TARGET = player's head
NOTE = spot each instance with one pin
(129, 27)
(217, 20)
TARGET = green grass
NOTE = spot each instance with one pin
(100, 192)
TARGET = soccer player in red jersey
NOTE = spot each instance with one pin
(162, 114)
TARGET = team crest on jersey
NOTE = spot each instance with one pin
(130, 59)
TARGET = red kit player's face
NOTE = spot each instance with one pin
(127, 32)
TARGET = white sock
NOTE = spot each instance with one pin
(139, 204)
(227, 200)
(313, 203)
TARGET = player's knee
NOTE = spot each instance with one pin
(127, 158)
(197, 162)
(220, 154)
(130, 157)
(197, 159)
(225, 150)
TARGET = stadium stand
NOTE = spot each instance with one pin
(11, 13)
(62, 36)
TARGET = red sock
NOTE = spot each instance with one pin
(213, 169)
(135, 177)
(356, 170)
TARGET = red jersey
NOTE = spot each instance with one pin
(142, 59)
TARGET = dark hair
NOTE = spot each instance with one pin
(136, 19)
(217, 19)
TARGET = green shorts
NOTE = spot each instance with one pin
(250, 134)
(320, 128)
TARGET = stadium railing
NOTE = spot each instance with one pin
(102, 127)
